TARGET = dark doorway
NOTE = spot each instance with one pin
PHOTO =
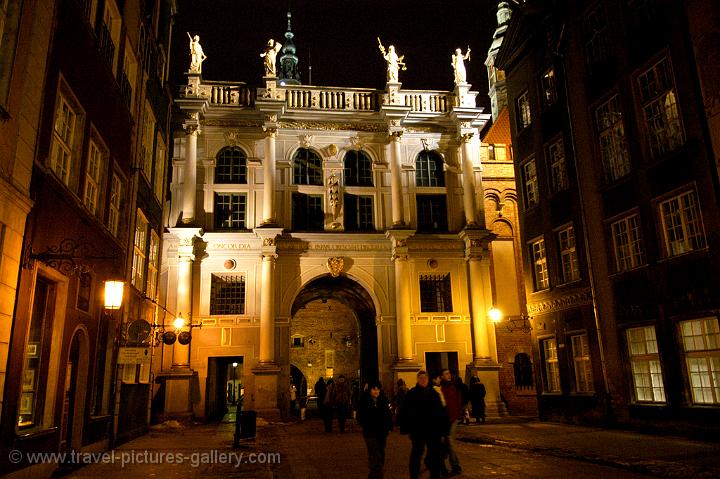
(223, 385)
(344, 290)
(436, 362)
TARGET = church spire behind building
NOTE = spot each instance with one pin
(289, 71)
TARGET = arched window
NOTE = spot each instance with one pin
(429, 169)
(523, 371)
(231, 166)
(358, 169)
(307, 168)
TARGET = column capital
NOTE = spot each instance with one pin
(186, 240)
(477, 242)
(270, 131)
(399, 239)
(395, 136)
(467, 137)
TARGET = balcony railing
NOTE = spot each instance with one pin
(126, 90)
(107, 47)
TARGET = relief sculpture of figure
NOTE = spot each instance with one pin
(197, 56)
(271, 51)
(459, 65)
(393, 62)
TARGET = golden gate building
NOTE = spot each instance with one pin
(317, 231)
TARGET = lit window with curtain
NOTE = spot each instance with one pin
(139, 255)
(660, 108)
(701, 346)
(551, 383)
(645, 365)
(682, 224)
(581, 363)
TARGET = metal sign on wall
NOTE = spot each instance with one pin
(133, 355)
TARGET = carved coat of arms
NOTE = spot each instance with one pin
(335, 265)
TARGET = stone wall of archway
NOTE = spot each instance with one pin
(318, 328)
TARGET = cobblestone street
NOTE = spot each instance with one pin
(502, 449)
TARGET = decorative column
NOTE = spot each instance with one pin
(266, 370)
(396, 179)
(471, 219)
(485, 364)
(269, 176)
(405, 367)
(192, 129)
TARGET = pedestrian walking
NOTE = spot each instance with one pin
(293, 397)
(425, 419)
(454, 401)
(477, 398)
(303, 398)
(465, 394)
(375, 417)
(341, 401)
(320, 389)
(328, 404)
(400, 393)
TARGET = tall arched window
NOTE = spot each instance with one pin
(522, 367)
(358, 169)
(231, 166)
(429, 169)
(307, 168)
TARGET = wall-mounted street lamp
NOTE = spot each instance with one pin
(114, 294)
(510, 324)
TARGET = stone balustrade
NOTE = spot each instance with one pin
(427, 101)
(323, 98)
(328, 98)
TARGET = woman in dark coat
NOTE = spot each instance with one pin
(375, 417)
(477, 399)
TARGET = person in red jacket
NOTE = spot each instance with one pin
(455, 408)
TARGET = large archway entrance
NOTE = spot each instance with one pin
(333, 330)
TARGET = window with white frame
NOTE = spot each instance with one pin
(148, 136)
(549, 89)
(230, 211)
(611, 136)
(558, 168)
(153, 257)
(93, 175)
(539, 259)
(160, 160)
(627, 243)
(581, 363)
(114, 208)
(660, 108)
(429, 169)
(701, 344)
(63, 139)
(682, 224)
(596, 33)
(551, 383)
(529, 171)
(568, 255)
(645, 364)
(138, 264)
(523, 110)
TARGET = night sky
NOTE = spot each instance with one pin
(341, 38)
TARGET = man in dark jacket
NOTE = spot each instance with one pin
(320, 389)
(425, 418)
(375, 417)
(455, 408)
